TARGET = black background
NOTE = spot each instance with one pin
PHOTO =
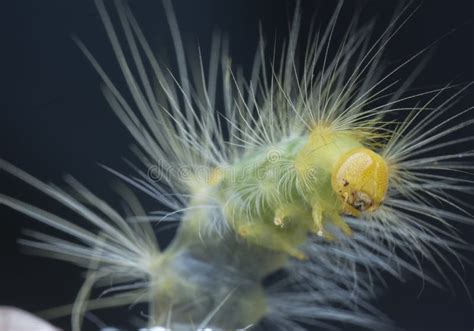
(54, 120)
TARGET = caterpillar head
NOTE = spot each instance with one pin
(360, 178)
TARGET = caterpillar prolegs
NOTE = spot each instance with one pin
(266, 228)
(304, 168)
(276, 196)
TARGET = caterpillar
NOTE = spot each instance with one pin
(303, 168)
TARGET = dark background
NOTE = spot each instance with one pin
(54, 120)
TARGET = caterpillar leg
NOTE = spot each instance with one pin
(334, 217)
(339, 222)
(318, 226)
(265, 235)
(288, 215)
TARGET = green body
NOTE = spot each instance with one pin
(268, 201)
(271, 197)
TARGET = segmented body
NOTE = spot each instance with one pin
(275, 196)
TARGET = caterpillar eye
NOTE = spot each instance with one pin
(360, 177)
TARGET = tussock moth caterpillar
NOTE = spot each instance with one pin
(300, 161)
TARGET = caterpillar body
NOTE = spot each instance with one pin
(274, 226)
(274, 198)
(301, 168)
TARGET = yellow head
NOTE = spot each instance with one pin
(360, 178)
